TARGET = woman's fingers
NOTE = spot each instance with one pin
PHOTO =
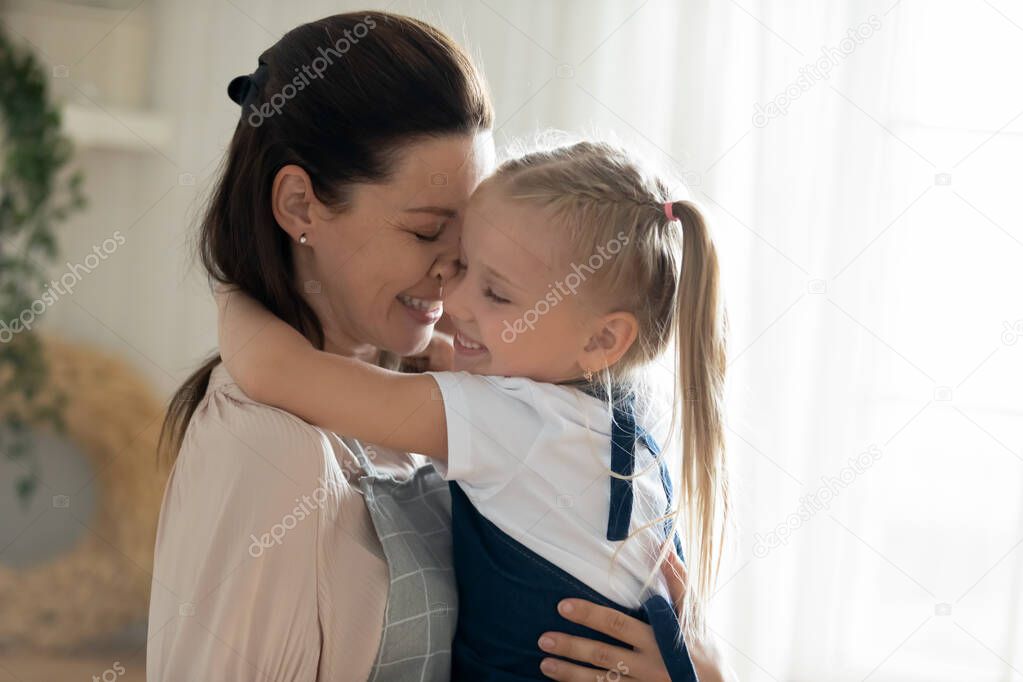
(610, 622)
(604, 656)
(708, 661)
(677, 578)
(570, 672)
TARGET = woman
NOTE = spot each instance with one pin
(287, 553)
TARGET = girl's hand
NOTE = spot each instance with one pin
(439, 356)
(644, 661)
(255, 346)
(240, 320)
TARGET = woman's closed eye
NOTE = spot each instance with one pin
(430, 235)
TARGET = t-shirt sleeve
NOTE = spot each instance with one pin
(492, 425)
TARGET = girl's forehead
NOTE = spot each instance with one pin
(514, 234)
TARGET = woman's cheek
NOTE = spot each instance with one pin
(427, 255)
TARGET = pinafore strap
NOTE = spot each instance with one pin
(624, 435)
(364, 460)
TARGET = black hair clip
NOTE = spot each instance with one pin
(243, 88)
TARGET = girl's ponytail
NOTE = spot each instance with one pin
(701, 326)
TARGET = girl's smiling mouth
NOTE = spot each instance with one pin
(465, 345)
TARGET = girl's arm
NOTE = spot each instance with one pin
(274, 364)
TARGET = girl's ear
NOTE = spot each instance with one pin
(292, 199)
(612, 337)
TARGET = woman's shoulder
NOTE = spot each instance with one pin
(253, 506)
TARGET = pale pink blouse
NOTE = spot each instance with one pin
(267, 566)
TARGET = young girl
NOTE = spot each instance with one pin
(578, 276)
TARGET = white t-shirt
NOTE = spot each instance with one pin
(535, 460)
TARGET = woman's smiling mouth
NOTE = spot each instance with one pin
(422, 310)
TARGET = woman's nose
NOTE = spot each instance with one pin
(454, 306)
(445, 268)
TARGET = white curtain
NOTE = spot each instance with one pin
(871, 243)
(872, 265)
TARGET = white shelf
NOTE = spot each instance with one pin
(90, 127)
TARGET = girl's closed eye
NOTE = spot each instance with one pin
(489, 293)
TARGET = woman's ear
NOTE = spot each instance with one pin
(292, 199)
(612, 337)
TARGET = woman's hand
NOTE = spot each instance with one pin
(707, 659)
(644, 661)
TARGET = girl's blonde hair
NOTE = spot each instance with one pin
(665, 272)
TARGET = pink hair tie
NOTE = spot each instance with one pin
(669, 210)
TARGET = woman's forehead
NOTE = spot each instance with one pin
(452, 163)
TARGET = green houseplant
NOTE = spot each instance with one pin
(35, 195)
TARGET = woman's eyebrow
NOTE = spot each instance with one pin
(436, 210)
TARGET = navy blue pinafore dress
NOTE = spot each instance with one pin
(508, 594)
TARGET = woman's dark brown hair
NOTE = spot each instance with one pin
(339, 97)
